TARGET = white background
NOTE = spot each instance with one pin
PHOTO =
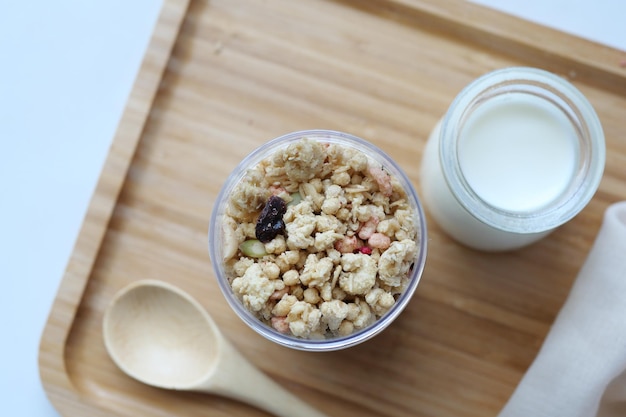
(66, 69)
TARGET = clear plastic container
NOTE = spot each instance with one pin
(216, 246)
(519, 152)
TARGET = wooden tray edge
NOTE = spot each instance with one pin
(52, 370)
(565, 54)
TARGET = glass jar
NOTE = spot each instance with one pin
(519, 152)
(218, 240)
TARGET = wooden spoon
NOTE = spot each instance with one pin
(161, 336)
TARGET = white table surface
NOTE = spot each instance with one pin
(67, 67)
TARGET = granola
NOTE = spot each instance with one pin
(338, 255)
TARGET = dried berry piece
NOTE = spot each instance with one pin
(271, 223)
(366, 250)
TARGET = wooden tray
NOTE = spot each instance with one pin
(222, 77)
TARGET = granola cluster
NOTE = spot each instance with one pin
(335, 257)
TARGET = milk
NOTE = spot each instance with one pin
(443, 206)
(519, 152)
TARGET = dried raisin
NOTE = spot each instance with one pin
(270, 222)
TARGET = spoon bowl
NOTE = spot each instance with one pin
(161, 336)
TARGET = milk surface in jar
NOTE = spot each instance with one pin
(519, 152)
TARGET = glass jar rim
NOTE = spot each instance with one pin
(558, 92)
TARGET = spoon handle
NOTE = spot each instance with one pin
(236, 378)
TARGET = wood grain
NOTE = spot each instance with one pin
(222, 77)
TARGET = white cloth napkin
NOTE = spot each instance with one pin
(580, 370)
